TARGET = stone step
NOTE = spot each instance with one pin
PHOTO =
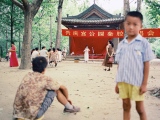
(72, 59)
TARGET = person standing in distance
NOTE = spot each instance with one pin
(44, 52)
(86, 54)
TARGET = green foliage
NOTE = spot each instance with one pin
(152, 20)
(41, 22)
(158, 52)
(5, 24)
(156, 47)
(153, 7)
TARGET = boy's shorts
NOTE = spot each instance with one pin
(130, 91)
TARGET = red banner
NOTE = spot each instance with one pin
(108, 33)
(93, 33)
(150, 32)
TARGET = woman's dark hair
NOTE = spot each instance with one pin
(58, 49)
(53, 49)
(12, 42)
(39, 64)
(43, 47)
(32, 51)
(49, 50)
(111, 43)
(36, 48)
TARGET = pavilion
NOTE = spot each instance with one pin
(94, 18)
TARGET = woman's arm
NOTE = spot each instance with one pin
(112, 51)
(107, 51)
(12, 50)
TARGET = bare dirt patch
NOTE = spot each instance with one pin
(90, 87)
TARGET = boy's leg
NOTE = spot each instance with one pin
(61, 98)
(140, 109)
(126, 108)
(46, 103)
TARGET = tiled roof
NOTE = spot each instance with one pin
(94, 6)
(93, 22)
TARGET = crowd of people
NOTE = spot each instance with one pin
(53, 55)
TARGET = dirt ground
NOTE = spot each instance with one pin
(90, 87)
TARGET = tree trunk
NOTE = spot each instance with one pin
(30, 10)
(126, 7)
(12, 23)
(6, 41)
(40, 42)
(58, 36)
(26, 53)
(19, 50)
(139, 2)
(50, 32)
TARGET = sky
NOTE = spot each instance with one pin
(111, 6)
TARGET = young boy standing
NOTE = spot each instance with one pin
(133, 56)
(36, 93)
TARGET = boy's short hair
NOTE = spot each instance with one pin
(39, 64)
(135, 14)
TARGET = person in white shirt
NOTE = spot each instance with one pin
(86, 54)
(64, 53)
(59, 55)
(35, 53)
(44, 52)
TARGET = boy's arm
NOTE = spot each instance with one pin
(116, 87)
(143, 87)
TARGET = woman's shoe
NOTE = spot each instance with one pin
(105, 69)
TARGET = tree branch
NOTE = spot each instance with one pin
(35, 6)
(60, 4)
(25, 4)
(18, 4)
